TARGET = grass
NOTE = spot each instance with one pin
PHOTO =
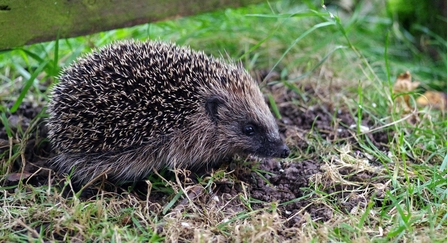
(324, 58)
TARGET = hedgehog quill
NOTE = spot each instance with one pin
(132, 107)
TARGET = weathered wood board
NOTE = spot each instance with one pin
(29, 21)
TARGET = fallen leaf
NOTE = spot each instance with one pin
(403, 86)
(126, 220)
(435, 99)
(18, 176)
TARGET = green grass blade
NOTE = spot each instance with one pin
(274, 107)
(27, 86)
(172, 202)
(307, 32)
(443, 164)
(5, 123)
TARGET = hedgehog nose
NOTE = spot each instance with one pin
(285, 151)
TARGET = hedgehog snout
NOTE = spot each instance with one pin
(273, 149)
(279, 150)
(284, 151)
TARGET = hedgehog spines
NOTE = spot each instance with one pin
(132, 107)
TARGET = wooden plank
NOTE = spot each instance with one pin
(29, 21)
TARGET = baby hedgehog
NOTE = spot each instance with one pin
(132, 107)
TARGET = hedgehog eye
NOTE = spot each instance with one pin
(249, 130)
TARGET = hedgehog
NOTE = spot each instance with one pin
(133, 107)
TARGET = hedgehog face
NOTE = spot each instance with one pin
(259, 141)
(246, 128)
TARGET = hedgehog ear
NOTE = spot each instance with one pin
(211, 106)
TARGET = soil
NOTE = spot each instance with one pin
(289, 184)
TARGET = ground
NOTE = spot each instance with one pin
(285, 183)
